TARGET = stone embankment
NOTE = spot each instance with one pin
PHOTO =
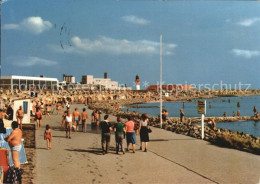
(30, 145)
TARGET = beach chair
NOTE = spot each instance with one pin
(4, 161)
(1, 175)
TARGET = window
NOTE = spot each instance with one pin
(25, 107)
(48, 84)
(23, 84)
(15, 83)
(42, 84)
(29, 84)
(37, 84)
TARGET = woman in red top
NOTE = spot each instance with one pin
(130, 133)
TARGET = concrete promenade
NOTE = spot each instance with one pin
(171, 158)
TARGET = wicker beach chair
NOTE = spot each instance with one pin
(4, 161)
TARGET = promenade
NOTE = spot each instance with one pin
(171, 158)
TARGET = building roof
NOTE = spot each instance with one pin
(29, 78)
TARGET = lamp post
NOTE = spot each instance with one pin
(0, 44)
(161, 81)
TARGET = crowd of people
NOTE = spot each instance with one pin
(123, 131)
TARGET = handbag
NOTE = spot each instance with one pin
(149, 130)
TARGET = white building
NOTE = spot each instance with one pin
(25, 82)
(104, 82)
(69, 79)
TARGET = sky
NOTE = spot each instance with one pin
(204, 42)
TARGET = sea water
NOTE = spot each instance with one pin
(218, 107)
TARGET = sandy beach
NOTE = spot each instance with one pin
(171, 158)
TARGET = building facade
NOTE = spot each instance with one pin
(26, 83)
(69, 79)
(102, 82)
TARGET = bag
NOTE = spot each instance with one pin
(14, 175)
(149, 130)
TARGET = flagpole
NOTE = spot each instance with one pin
(0, 42)
(161, 81)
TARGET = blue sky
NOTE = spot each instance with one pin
(203, 42)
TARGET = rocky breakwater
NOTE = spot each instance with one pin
(30, 145)
(220, 137)
(218, 119)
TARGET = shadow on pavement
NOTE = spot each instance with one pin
(96, 151)
(59, 136)
(41, 148)
(158, 140)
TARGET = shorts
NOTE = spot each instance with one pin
(38, 118)
(76, 119)
(130, 137)
(16, 148)
(20, 117)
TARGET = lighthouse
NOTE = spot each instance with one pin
(137, 82)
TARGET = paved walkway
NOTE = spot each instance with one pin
(171, 158)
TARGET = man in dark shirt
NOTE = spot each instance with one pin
(105, 127)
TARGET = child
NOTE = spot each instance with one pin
(48, 136)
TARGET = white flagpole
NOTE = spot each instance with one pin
(161, 80)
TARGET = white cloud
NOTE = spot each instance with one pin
(35, 25)
(31, 61)
(135, 20)
(116, 47)
(11, 26)
(248, 22)
(245, 53)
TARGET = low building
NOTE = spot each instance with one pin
(69, 79)
(102, 82)
(26, 83)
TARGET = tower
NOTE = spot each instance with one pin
(137, 82)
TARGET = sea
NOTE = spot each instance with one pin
(218, 107)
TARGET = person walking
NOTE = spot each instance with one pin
(105, 127)
(48, 136)
(19, 116)
(38, 117)
(76, 119)
(119, 130)
(68, 124)
(130, 133)
(181, 115)
(84, 116)
(144, 134)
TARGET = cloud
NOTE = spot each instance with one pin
(31, 61)
(116, 47)
(248, 54)
(135, 20)
(248, 22)
(35, 25)
(11, 26)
